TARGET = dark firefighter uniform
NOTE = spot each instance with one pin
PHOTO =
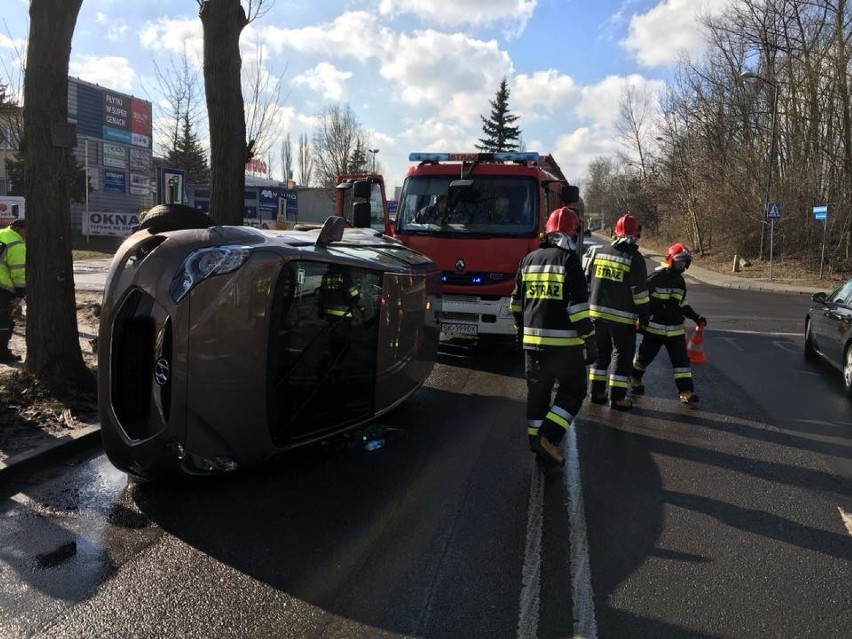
(665, 327)
(339, 297)
(551, 309)
(618, 297)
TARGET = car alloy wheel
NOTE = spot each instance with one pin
(847, 369)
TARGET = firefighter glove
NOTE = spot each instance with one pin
(701, 321)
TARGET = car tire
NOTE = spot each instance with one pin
(811, 354)
(174, 217)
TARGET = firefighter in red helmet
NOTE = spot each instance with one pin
(618, 297)
(551, 308)
(667, 290)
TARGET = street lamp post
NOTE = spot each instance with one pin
(372, 153)
(770, 163)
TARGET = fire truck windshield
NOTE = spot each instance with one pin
(504, 206)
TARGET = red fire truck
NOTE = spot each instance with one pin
(476, 215)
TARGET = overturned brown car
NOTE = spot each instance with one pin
(221, 346)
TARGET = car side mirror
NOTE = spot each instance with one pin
(361, 215)
(819, 297)
(332, 231)
(361, 189)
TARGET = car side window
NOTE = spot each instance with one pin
(842, 295)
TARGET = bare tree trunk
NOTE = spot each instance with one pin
(223, 21)
(53, 346)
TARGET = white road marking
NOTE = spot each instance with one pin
(847, 519)
(733, 342)
(531, 574)
(761, 333)
(787, 346)
(585, 624)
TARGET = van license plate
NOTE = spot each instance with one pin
(460, 329)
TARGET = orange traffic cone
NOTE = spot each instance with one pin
(695, 346)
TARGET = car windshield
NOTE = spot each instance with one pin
(843, 295)
(489, 205)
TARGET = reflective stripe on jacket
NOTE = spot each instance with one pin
(619, 287)
(13, 272)
(338, 295)
(550, 301)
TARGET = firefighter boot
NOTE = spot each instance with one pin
(636, 386)
(688, 397)
(621, 404)
(547, 453)
(599, 398)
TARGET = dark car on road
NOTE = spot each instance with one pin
(222, 346)
(828, 330)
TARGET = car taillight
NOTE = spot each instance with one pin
(204, 263)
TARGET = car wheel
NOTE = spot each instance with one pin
(811, 354)
(174, 217)
(847, 369)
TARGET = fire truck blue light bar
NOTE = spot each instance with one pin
(500, 156)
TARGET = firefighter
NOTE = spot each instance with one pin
(551, 308)
(13, 283)
(665, 327)
(339, 298)
(618, 297)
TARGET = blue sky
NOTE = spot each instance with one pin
(417, 73)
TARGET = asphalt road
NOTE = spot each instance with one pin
(669, 521)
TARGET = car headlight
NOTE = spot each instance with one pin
(204, 263)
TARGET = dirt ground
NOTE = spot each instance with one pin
(29, 415)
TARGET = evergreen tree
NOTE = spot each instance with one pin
(499, 134)
(188, 155)
(358, 161)
(76, 178)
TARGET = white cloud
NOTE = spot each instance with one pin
(354, 34)
(108, 71)
(174, 35)
(117, 32)
(542, 94)
(325, 79)
(453, 73)
(661, 35)
(513, 13)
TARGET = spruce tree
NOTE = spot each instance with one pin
(188, 155)
(499, 134)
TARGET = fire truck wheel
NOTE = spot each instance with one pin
(174, 217)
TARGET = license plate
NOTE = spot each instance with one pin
(460, 329)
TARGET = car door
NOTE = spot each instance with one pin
(831, 323)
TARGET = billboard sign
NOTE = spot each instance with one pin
(140, 159)
(115, 181)
(171, 186)
(116, 122)
(140, 184)
(112, 224)
(115, 156)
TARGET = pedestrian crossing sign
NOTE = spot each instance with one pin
(773, 210)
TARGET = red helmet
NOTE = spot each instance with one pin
(678, 254)
(627, 225)
(563, 220)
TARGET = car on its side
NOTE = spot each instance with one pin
(222, 346)
(828, 330)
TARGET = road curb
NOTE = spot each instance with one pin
(76, 440)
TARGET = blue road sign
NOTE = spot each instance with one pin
(773, 210)
(821, 212)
